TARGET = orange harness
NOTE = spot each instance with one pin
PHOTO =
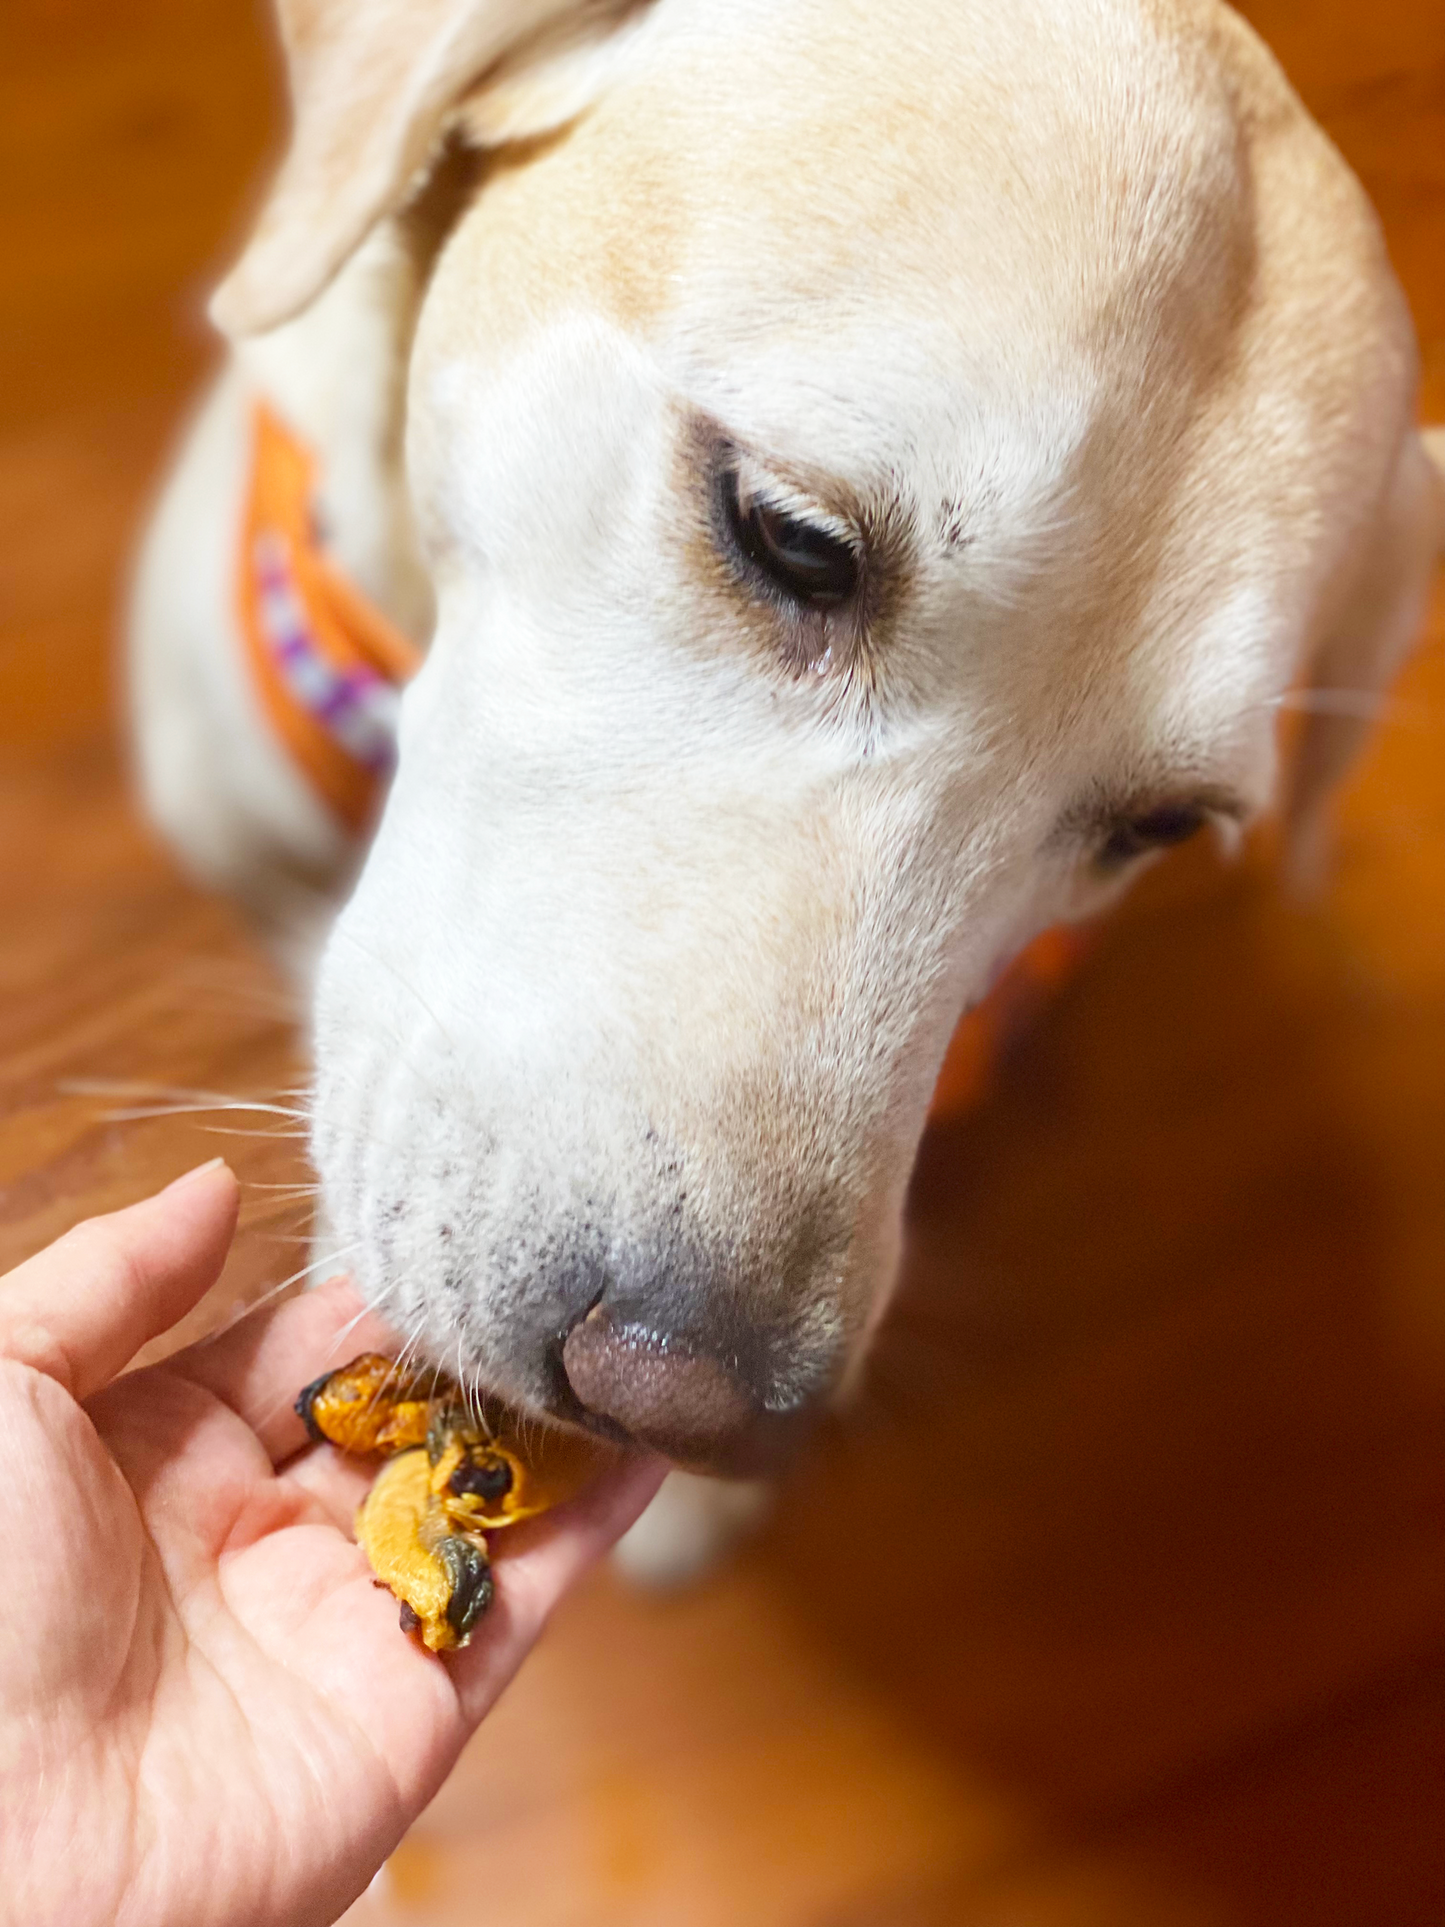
(328, 669)
(327, 666)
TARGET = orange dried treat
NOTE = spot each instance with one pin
(370, 1406)
(442, 1577)
(458, 1473)
(486, 1475)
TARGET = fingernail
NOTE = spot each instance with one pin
(211, 1164)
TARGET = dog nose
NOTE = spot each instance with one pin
(666, 1393)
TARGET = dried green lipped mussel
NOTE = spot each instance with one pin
(454, 1473)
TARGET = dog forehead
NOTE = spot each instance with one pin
(1005, 258)
(1008, 171)
(983, 151)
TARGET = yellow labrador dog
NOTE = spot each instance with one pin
(867, 473)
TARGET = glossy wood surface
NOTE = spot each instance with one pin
(1120, 1600)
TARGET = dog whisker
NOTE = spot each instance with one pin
(271, 1294)
(338, 1340)
(136, 1112)
(239, 989)
(302, 1235)
(1368, 705)
(322, 1264)
(160, 1100)
(340, 930)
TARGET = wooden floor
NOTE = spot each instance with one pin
(1120, 1602)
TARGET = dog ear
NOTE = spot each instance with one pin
(372, 83)
(1362, 651)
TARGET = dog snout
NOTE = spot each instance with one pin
(700, 1405)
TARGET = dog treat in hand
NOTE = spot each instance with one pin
(456, 1471)
(442, 1578)
(370, 1405)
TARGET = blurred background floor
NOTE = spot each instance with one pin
(1120, 1601)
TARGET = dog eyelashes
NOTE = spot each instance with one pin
(1156, 830)
(814, 568)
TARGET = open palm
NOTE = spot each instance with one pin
(207, 1710)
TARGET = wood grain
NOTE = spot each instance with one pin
(1120, 1599)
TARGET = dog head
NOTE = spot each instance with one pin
(881, 468)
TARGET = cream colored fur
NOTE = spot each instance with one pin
(1067, 310)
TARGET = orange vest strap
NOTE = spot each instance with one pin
(326, 664)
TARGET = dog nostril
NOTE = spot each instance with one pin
(688, 1405)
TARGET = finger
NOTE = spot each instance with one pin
(537, 1564)
(419, 1711)
(258, 1365)
(80, 1310)
(337, 1484)
(309, 1594)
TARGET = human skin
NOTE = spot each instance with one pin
(207, 1711)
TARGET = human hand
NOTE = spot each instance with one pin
(207, 1711)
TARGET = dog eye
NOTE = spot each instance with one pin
(1158, 830)
(809, 565)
